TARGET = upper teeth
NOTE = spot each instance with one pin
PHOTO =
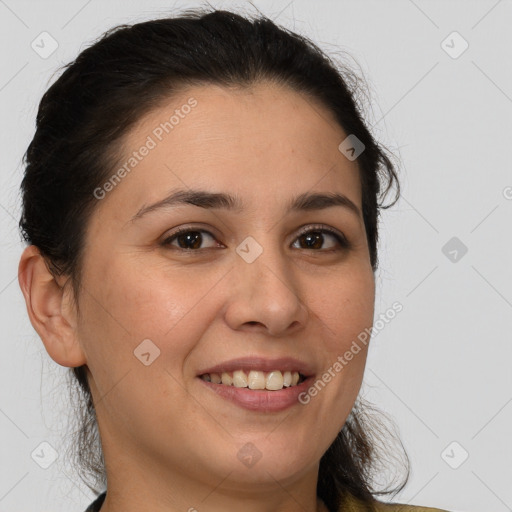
(254, 379)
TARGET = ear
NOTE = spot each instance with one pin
(50, 309)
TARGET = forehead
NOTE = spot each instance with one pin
(261, 140)
(263, 113)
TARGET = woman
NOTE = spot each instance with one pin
(200, 202)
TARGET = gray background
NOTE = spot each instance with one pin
(441, 368)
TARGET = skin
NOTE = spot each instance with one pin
(170, 444)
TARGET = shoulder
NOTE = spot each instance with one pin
(352, 504)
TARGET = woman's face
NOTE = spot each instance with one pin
(157, 312)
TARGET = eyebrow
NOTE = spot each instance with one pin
(215, 200)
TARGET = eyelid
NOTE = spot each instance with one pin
(187, 228)
(320, 227)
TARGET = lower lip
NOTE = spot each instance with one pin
(260, 399)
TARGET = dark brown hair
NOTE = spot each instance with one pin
(128, 72)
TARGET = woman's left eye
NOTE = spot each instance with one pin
(314, 237)
(191, 239)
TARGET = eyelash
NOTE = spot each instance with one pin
(341, 239)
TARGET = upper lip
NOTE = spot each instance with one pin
(262, 364)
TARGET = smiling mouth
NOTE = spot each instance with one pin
(256, 380)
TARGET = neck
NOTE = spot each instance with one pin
(134, 487)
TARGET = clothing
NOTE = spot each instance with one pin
(96, 504)
(350, 505)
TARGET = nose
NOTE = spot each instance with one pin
(265, 295)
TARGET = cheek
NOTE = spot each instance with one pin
(344, 306)
(127, 304)
(345, 310)
(122, 309)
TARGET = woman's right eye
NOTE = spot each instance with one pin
(187, 239)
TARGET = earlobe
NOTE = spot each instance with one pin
(49, 309)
